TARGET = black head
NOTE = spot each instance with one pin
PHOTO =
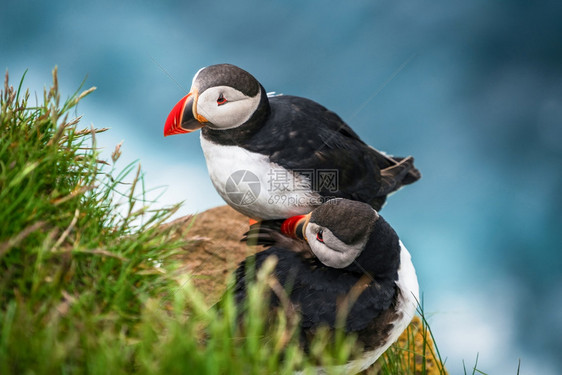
(349, 235)
(222, 97)
(225, 75)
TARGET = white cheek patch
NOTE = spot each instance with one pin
(237, 110)
(332, 252)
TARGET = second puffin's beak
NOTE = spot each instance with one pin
(295, 226)
(182, 119)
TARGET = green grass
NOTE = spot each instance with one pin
(75, 273)
(89, 287)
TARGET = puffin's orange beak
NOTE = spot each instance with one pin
(181, 119)
(295, 226)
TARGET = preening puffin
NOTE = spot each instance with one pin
(280, 156)
(343, 250)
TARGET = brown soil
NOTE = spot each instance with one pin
(214, 249)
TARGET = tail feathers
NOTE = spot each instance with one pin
(413, 173)
(263, 233)
(267, 233)
(399, 174)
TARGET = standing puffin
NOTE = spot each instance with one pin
(280, 156)
(341, 250)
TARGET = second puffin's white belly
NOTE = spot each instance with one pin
(407, 304)
(251, 184)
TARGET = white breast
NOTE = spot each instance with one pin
(251, 184)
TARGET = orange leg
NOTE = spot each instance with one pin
(252, 221)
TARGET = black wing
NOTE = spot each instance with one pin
(317, 292)
(307, 136)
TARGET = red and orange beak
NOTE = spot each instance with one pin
(295, 226)
(183, 118)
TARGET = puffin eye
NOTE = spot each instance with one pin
(319, 236)
(221, 100)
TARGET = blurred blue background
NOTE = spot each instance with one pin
(472, 89)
